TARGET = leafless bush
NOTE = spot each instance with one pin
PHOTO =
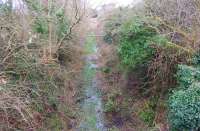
(180, 19)
(179, 22)
(30, 73)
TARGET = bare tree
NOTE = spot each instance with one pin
(181, 19)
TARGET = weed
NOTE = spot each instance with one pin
(147, 113)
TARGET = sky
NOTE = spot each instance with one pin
(97, 3)
(15, 2)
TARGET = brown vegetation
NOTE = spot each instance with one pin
(148, 85)
(38, 70)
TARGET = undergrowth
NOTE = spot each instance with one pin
(148, 111)
(36, 89)
(144, 40)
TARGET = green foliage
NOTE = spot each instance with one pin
(187, 75)
(184, 103)
(108, 38)
(62, 23)
(34, 5)
(136, 38)
(184, 109)
(106, 70)
(111, 104)
(36, 82)
(56, 18)
(114, 23)
(41, 25)
(196, 60)
(147, 113)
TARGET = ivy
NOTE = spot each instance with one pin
(184, 109)
(135, 44)
(56, 18)
(187, 75)
(184, 103)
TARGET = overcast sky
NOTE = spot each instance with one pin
(97, 3)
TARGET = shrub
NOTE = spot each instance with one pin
(41, 25)
(184, 108)
(134, 46)
(187, 75)
(32, 82)
(108, 38)
(62, 23)
(147, 113)
(111, 104)
(184, 103)
(56, 18)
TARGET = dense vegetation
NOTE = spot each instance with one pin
(144, 72)
(37, 61)
(184, 102)
(157, 48)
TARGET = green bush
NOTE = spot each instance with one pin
(106, 70)
(57, 18)
(184, 109)
(184, 103)
(108, 38)
(147, 113)
(135, 42)
(62, 23)
(111, 104)
(187, 75)
(41, 25)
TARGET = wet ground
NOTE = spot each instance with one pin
(92, 116)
